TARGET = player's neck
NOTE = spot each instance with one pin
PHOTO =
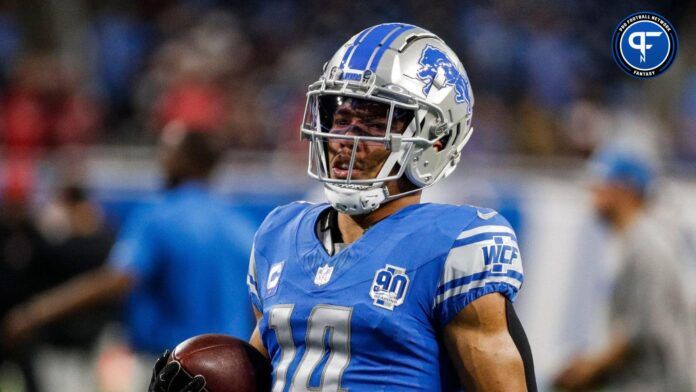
(353, 227)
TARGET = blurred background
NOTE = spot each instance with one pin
(87, 86)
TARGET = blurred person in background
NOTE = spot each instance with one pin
(77, 241)
(650, 324)
(178, 260)
(22, 253)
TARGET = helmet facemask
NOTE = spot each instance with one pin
(361, 140)
(354, 142)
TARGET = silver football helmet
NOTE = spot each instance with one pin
(393, 101)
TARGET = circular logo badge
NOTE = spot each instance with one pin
(644, 44)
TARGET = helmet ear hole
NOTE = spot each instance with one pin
(439, 146)
(453, 135)
(444, 141)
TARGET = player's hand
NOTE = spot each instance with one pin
(166, 377)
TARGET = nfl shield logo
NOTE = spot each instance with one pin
(323, 275)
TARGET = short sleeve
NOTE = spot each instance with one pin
(252, 282)
(483, 259)
(135, 251)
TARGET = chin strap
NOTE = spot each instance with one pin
(355, 201)
(359, 201)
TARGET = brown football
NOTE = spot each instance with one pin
(227, 363)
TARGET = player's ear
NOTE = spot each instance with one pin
(438, 146)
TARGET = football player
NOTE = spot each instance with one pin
(375, 290)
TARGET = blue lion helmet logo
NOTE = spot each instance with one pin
(431, 61)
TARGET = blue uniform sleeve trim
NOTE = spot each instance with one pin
(455, 304)
(478, 276)
(481, 237)
(253, 294)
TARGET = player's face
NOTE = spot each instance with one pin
(605, 200)
(355, 117)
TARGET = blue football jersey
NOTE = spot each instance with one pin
(369, 317)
